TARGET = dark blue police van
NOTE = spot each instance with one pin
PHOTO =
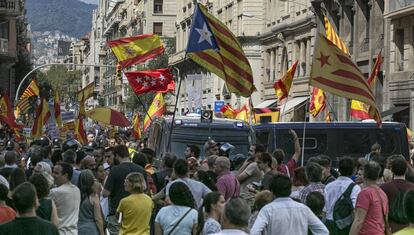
(190, 130)
(335, 139)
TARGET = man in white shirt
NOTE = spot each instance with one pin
(284, 215)
(67, 199)
(335, 189)
(235, 217)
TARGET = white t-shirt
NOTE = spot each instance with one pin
(67, 200)
(168, 216)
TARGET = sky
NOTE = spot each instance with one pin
(90, 1)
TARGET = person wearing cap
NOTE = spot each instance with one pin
(211, 148)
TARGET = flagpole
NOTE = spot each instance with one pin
(304, 134)
(177, 97)
(331, 108)
(143, 106)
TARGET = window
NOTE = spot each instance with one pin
(158, 6)
(158, 28)
(399, 44)
(4, 30)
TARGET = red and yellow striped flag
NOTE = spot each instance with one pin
(228, 111)
(86, 92)
(156, 109)
(213, 46)
(317, 102)
(56, 106)
(42, 116)
(6, 112)
(136, 127)
(282, 86)
(243, 114)
(332, 36)
(80, 134)
(136, 49)
(333, 71)
(359, 109)
(31, 90)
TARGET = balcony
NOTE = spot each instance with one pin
(112, 22)
(10, 7)
(4, 46)
(398, 8)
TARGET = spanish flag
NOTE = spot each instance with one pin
(56, 106)
(156, 109)
(6, 112)
(86, 92)
(359, 109)
(42, 116)
(317, 102)
(80, 134)
(228, 111)
(138, 49)
(136, 127)
(282, 86)
(243, 114)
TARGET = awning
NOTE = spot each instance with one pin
(292, 103)
(393, 110)
(266, 104)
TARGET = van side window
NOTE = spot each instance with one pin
(356, 142)
(387, 138)
(262, 137)
(155, 134)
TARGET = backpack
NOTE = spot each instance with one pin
(343, 209)
(396, 212)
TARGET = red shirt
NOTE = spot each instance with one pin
(288, 169)
(370, 199)
(6, 214)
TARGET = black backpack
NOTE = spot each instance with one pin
(343, 209)
(396, 212)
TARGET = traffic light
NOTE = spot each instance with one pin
(118, 72)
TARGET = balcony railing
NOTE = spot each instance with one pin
(396, 5)
(10, 7)
(4, 46)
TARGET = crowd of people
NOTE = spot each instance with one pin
(116, 186)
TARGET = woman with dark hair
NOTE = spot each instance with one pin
(47, 208)
(212, 208)
(90, 214)
(136, 209)
(264, 163)
(180, 217)
(205, 178)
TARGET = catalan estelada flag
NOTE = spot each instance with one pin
(86, 92)
(56, 106)
(317, 102)
(332, 36)
(333, 71)
(31, 90)
(359, 109)
(213, 46)
(136, 131)
(42, 116)
(136, 49)
(282, 86)
(157, 109)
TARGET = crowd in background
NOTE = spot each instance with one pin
(117, 186)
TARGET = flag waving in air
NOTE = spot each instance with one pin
(333, 71)
(6, 112)
(86, 92)
(332, 36)
(160, 80)
(359, 109)
(282, 86)
(138, 49)
(56, 106)
(317, 102)
(42, 116)
(228, 111)
(156, 109)
(136, 127)
(31, 90)
(213, 46)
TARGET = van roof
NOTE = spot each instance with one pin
(328, 125)
(196, 121)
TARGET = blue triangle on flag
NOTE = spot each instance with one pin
(201, 37)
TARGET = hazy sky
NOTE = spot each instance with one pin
(91, 1)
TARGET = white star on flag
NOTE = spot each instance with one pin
(145, 84)
(153, 82)
(162, 77)
(205, 34)
(139, 79)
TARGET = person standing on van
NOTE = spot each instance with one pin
(395, 191)
(341, 188)
(292, 164)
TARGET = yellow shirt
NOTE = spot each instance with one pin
(136, 212)
(405, 231)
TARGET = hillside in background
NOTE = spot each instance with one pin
(72, 17)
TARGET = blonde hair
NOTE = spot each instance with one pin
(137, 182)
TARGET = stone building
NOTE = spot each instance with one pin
(398, 95)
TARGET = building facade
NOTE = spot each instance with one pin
(399, 61)
(11, 16)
